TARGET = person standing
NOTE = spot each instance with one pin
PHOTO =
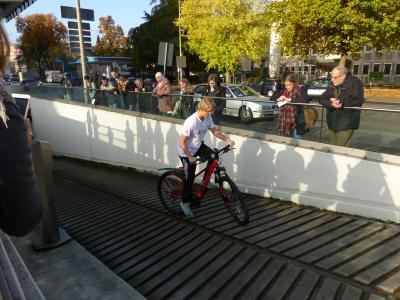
(119, 84)
(345, 90)
(67, 84)
(89, 90)
(163, 92)
(218, 92)
(143, 98)
(20, 202)
(184, 105)
(291, 117)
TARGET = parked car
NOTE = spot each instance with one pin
(316, 87)
(242, 101)
(267, 87)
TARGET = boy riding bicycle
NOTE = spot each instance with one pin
(191, 145)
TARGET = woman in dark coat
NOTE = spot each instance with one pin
(215, 89)
(20, 204)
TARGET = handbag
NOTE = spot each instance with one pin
(310, 116)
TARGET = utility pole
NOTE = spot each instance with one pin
(82, 49)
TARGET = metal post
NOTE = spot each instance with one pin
(180, 40)
(51, 235)
(165, 58)
(82, 49)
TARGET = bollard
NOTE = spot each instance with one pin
(50, 235)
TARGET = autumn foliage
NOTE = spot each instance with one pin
(42, 39)
(112, 41)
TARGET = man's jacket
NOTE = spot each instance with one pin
(351, 94)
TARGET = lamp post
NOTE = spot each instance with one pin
(82, 49)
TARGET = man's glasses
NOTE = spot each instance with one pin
(336, 77)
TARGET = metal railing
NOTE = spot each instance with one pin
(379, 129)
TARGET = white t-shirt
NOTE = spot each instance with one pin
(195, 129)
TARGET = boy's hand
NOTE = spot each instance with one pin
(230, 142)
(192, 159)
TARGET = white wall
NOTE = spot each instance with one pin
(330, 181)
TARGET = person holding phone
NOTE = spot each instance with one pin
(20, 202)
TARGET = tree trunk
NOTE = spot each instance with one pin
(228, 76)
(343, 60)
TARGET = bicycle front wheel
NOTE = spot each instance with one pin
(170, 190)
(233, 201)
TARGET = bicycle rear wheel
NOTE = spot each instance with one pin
(233, 200)
(170, 190)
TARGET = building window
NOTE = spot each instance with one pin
(388, 69)
(376, 67)
(398, 69)
(367, 49)
(365, 69)
(292, 69)
(356, 69)
(312, 70)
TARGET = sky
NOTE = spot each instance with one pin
(128, 13)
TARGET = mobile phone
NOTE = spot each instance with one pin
(23, 103)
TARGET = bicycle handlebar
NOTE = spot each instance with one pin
(216, 152)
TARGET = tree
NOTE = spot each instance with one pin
(335, 26)
(112, 41)
(222, 32)
(42, 39)
(158, 27)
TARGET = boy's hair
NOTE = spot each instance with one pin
(205, 103)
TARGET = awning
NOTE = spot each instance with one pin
(9, 9)
(103, 60)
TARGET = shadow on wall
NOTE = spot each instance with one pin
(121, 139)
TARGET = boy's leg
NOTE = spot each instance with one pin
(190, 171)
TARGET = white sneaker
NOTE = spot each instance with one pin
(187, 211)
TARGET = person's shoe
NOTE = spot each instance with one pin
(187, 211)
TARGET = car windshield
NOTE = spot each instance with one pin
(319, 83)
(242, 91)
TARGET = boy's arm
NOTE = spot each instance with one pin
(217, 133)
(185, 148)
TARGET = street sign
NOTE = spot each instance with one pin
(68, 12)
(181, 61)
(165, 54)
(74, 38)
(78, 51)
(76, 45)
(75, 32)
(74, 25)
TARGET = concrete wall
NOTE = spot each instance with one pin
(335, 178)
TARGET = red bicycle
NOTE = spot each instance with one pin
(170, 188)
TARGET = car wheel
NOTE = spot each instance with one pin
(246, 115)
(270, 93)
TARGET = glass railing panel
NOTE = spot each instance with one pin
(379, 128)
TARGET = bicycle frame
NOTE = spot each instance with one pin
(209, 170)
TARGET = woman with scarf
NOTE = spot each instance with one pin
(291, 117)
(20, 203)
(163, 92)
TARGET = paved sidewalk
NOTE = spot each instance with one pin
(70, 272)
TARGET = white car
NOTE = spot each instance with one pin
(242, 101)
(317, 87)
